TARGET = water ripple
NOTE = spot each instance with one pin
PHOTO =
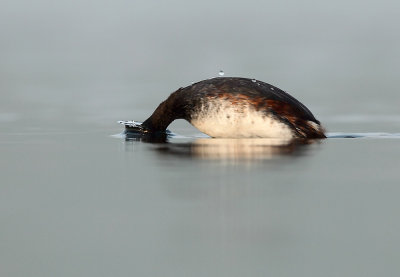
(374, 135)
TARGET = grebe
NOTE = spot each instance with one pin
(231, 107)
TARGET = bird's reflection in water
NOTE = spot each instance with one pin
(235, 150)
(241, 149)
(147, 137)
(224, 149)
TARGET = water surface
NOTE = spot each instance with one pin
(87, 203)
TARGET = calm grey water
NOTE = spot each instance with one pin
(76, 199)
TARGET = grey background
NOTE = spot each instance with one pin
(102, 61)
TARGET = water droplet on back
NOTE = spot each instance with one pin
(253, 80)
(272, 88)
(221, 73)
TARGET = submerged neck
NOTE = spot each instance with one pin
(161, 118)
(175, 107)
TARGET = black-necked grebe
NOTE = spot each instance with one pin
(236, 108)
